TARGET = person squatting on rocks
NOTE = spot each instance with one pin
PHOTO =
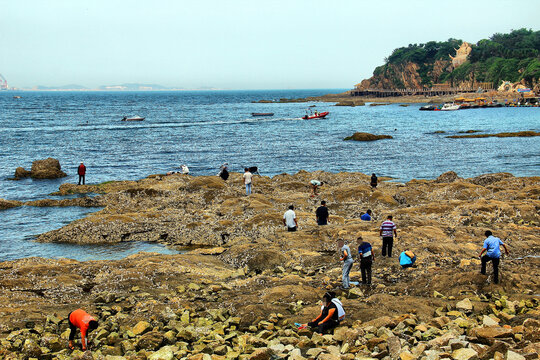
(407, 259)
(247, 180)
(85, 322)
(366, 255)
(81, 170)
(321, 214)
(223, 172)
(289, 219)
(184, 169)
(332, 313)
(373, 182)
(492, 249)
(314, 186)
(387, 231)
(367, 216)
(346, 257)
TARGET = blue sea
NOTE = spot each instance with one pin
(204, 129)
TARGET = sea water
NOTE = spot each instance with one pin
(204, 129)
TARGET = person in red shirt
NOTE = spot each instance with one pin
(85, 322)
(82, 172)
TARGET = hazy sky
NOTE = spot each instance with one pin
(232, 44)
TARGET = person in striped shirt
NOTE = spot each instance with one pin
(387, 232)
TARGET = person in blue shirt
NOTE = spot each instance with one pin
(366, 216)
(365, 252)
(492, 248)
(407, 259)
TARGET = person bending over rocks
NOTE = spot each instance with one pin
(492, 248)
(367, 216)
(85, 322)
(366, 255)
(346, 257)
(332, 313)
(314, 186)
(407, 259)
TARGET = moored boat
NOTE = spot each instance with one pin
(430, 108)
(450, 107)
(262, 114)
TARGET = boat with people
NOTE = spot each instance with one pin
(430, 108)
(134, 118)
(316, 115)
(262, 114)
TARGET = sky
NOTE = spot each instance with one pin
(232, 44)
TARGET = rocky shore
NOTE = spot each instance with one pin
(243, 280)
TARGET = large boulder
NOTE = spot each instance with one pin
(47, 169)
(362, 136)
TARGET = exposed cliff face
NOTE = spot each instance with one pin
(409, 75)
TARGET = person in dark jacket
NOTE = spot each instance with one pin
(82, 172)
(85, 322)
(321, 214)
(373, 182)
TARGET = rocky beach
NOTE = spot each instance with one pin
(242, 280)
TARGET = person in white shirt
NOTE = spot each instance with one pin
(247, 180)
(289, 219)
(184, 169)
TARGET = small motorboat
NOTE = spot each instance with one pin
(316, 115)
(134, 118)
(262, 114)
(450, 107)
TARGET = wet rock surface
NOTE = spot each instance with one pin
(239, 295)
(361, 136)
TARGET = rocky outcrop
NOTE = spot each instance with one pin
(352, 103)
(7, 204)
(361, 136)
(501, 135)
(240, 294)
(42, 169)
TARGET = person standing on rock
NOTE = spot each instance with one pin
(82, 173)
(85, 322)
(387, 232)
(373, 182)
(289, 219)
(223, 172)
(365, 252)
(346, 257)
(322, 214)
(247, 180)
(492, 248)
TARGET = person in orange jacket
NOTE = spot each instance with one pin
(85, 322)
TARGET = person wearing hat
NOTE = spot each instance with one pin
(82, 172)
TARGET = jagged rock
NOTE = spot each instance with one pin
(511, 355)
(165, 353)
(465, 306)
(447, 177)
(494, 332)
(261, 354)
(464, 354)
(20, 173)
(361, 136)
(150, 341)
(47, 169)
(31, 349)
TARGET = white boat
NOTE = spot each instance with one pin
(450, 107)
(134, 118)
